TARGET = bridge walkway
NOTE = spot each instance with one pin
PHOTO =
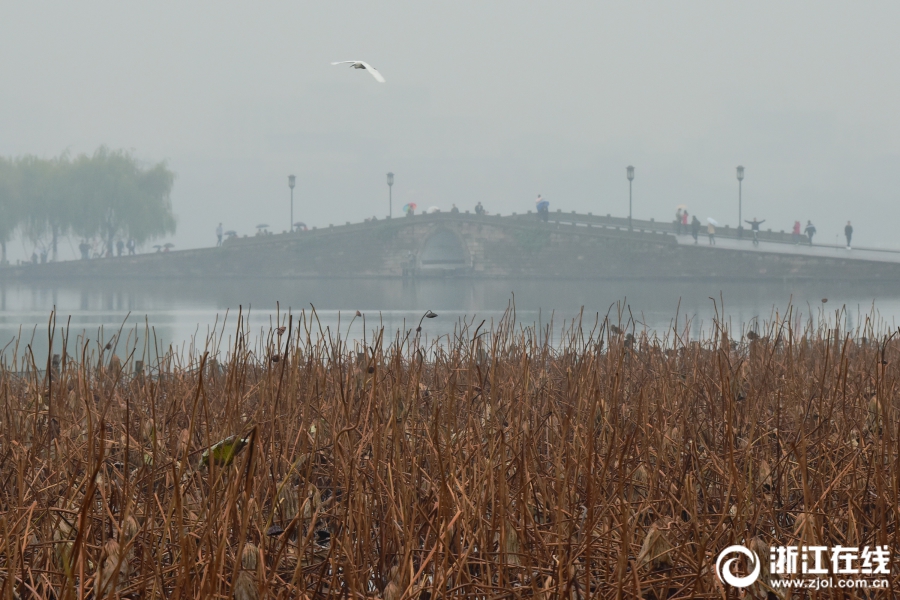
(726, 238)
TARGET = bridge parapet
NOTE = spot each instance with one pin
(723, 231)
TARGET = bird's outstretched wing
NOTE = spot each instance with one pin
(373, 71)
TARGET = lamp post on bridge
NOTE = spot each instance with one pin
(390, 182)
(740, 178)
(630, 172)
(291, 181)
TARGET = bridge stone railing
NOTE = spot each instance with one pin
(608, 220)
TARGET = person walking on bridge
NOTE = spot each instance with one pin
(678, 221)
(695, 228)
(684, 221)
(795, 233)
(848, 231)
(711, 231)
(543, 208)
(754, 226)
(810, 231)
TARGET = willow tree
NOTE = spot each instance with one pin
(45, 187)
(11, 206)
(119, 197)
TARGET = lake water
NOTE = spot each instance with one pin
(175, 313)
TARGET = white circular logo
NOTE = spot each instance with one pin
(724, 570)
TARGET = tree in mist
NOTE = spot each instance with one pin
(46, 192)
(119, 197)
(109, 195)
(11, 208)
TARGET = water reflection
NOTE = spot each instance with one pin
(174, 312)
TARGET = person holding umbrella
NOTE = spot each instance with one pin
(711, 230)
(543, 208)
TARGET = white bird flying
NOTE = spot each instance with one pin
(358, 64)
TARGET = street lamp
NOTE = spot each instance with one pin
(291, 181)
(390, 195)
(630, 171)
(740, 176)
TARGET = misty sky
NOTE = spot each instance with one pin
(492, 101)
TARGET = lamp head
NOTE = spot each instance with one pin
(740, 173)
(390, 179)
(630, 171)
(291, 181)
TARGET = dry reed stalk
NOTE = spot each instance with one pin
(498, 466)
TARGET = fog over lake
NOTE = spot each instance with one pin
(179, 312)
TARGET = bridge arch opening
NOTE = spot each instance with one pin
(443, 250)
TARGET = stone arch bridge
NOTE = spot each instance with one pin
(466, 245)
